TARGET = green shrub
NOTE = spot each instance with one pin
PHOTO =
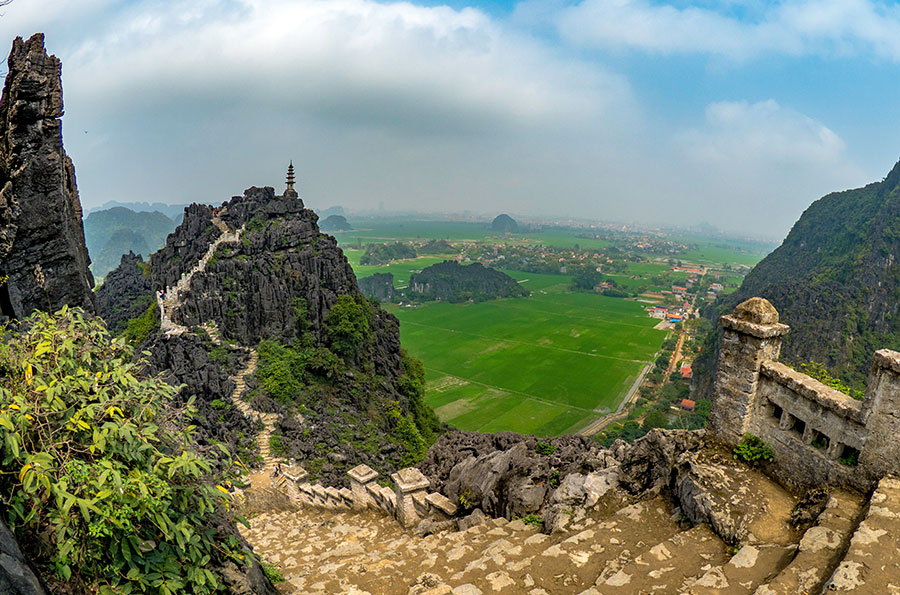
(139, 329)
(218, 404)
(407, 435)
(818, 371)
(273, 573)
(276, 445)
(347, 325)
(279, 370)
(533, 519)
(751, 449)
(97, 482)
(544, 448)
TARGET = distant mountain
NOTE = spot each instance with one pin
(335, 223)
(836, 279)
(174, 212)
(335, 210)
(504, 223)
(113, 232)
(453, 282)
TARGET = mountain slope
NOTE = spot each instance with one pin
(836, 279)
(111, 233)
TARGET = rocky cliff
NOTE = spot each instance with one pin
(834, 280)
(126, 292)
(331, 370)
(43, 258)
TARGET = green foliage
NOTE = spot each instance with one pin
(280, 370)
(219, 355)
(850, 457)
(407, 435)
(139, 329)
(533, 519)
(218, 404)
(818, 371)
(412, 384)
(553, 480)
(276, 445)
(347, 324)
(95, 476)
(467, 499)
(272, 572)
(300, 308)
(751, 449)
(655, 419)
(544, 448)
(385, 253)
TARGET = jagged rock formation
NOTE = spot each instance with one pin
(259, 272)
(126, 292)
(453, 282)
(42, 249)
(504, 224)
(379, 286)
(834, 280)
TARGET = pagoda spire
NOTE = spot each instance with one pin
(289, 191)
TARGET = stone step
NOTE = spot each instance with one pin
(820, 548)
(666, 567)
(748, 568)
(872, 564)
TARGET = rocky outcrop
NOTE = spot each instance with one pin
(16, 574)
(126, 292)
(42, 249)
(379, 286)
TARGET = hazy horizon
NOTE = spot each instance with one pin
(673, 113)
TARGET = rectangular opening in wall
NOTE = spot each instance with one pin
(798, 427)
(777, 411)
(820, 440)
(849, 456)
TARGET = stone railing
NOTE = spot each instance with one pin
(819, 436)
(408, 501)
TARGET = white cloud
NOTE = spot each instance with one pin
(759, 165)
(793, 27)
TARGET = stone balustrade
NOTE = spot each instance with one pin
(819, 436)
(408, 501)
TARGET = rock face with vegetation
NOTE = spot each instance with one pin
(335, 223)
(113, 232)
(379, 286)
(453, 282)
(834, 280)
(43, 259)
(126, 292)
(377, 254)
(330, 363)
(504, 224)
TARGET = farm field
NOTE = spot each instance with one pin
(401, 270)
(548, 364)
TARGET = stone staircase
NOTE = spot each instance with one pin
(618, 547)
(268, 419)
(169, 305)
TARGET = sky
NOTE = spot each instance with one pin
(735, 113)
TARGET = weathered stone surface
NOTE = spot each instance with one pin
(42, 247)
(379, 286)
(756, 310)
(16, 575)
(126, 293)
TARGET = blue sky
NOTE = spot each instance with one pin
(736, 113)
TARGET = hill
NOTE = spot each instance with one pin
(835, 280)
(453, 282)
(111, 233)
(384, 253)
(172, 211)
(505, 224)
(335, 223)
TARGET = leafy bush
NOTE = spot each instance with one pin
(412, 384)
(751, 449)
(279, 370)
(407, 435)
(533, 519)
(97, 480)
(276, 445)
(544, 448)
(347, 325)
(139, 329)
(818, 371)
(272, 573)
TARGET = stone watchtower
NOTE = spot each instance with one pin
(751, 335)
(289, 191)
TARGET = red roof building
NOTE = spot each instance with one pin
(686, 372)
(687, 404)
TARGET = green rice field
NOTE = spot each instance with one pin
(548, 364)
